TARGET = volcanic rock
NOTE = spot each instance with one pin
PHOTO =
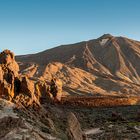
(107, 65)
(8, 59)
(15, 125)
(42, 92)
(27, 87)
(8, 71)
(74, 128)
(19, 88)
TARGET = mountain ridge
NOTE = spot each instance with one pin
(114, 58)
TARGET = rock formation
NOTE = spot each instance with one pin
(22, 115)
(19, 88)
(8, 72)
(7, 58)
(56, 89)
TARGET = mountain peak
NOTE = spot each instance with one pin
(106, 36)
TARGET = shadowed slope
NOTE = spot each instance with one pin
(108, 58)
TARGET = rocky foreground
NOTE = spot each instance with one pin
(34, 109)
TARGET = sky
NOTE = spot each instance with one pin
(31, 26)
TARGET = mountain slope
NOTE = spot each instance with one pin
(107, 65)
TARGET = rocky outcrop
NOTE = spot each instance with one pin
(8, 72)
(22, 115)
(7, 58)
(48, 91)
(19, 88)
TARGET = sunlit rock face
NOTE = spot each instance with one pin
(8, 71)
(19, 88)
(7, 58)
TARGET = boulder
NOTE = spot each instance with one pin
(74, 129)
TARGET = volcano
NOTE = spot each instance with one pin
(107, 65)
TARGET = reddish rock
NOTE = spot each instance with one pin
(7, 58)
(8, 71)
(6, 83)
(19, 88)
(27, 87)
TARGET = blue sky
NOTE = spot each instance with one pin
(30, 26)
